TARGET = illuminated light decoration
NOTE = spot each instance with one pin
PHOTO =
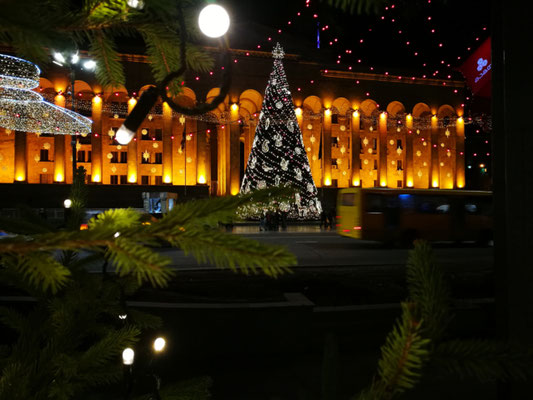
(277, 155)
(132, 178)
(201, 179)
(59, 177)
(167, 179)
(25, 110)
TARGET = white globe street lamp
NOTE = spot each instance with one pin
(67, 203)
(213, 21)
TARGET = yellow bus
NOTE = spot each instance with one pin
(401, 216)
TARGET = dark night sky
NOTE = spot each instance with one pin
(457, 24)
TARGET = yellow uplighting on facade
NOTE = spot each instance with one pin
(234, 191)
(435, 184)
(298, 111)
(356, 113)
(234, 107)
(59, 177)
(434, 117)
(201, 179)
(132, 178)
(132, 101)
(20, 178)
(96, 178)
(327, 112)
(409, 117)
(409, 183)
(383, 183)
(167, 179)
(460, 120)
(383, 115)
(327, 182)
(97, 99)
(356, 182)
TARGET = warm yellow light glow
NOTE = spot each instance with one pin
(356, 113)
(59, 177)
(409, 117)
(159, 344)
(409, 183)
(460, 185)
(132, 178)
(132, 101)
(383, 115)
(96, 178)
(97, 99)
(234, 107)
(435, 184)
(383, 183)
(201, 179)
(167, 179)
(298, 111)
(460, 120)
(434, 118)
(481, 165)
(20, 178)
(327, 182)
(234, 191)
(327, 112)
(356, 182)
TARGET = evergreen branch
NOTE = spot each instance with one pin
(428, 290)
(143, 263)
(12, 319)
(234, 252)
(106, 349)
(402, 357)
(38, 270)
(485, 360)
(109, 71)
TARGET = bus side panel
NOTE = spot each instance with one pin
(349, 213)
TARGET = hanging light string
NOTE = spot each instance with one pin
(22, 109)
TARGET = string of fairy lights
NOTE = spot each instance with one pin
(22, 109)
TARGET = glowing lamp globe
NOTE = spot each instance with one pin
(127, 356)
(159, 344)
(124, 135)
(67, 203)
(213, 21)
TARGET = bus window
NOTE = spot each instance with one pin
(348, 199)
(432, 205)
(373, 203)
(478, 206)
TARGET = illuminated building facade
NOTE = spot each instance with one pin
(413, 138)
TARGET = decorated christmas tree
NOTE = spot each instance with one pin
(278, 154)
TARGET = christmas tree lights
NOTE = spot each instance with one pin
(278, 155)
(24, 110)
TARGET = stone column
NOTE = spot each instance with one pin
(326, 148)
(96, 141)
(167, 144)
(460, 153)
(409, 170)
(201, 158)
(434, 168)
(21, 157)
(355, 148)
(382, 163)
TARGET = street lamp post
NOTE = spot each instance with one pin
(70, 61)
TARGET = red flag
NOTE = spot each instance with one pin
(477, 70)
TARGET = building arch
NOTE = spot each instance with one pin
(222, 106)
(445, 111)
(342, 104)
(251, 100)
(185, 98)
(395, 108)
(44, 84)
(313, 104)
(421, 110)
(368, 107)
